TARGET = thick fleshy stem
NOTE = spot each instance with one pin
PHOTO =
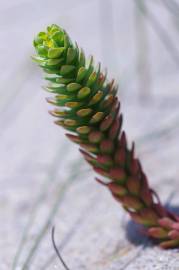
(91, 113)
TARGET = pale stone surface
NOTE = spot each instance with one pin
(43, 179)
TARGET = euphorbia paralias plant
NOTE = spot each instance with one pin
(87, 106)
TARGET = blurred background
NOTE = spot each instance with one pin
(44, 180)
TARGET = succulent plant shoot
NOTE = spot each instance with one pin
(87, 106)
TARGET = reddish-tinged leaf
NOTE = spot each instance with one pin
(90, 147)
(158, 232)
(165, 222)
(138, 218)
(117, 189)
(159, 209)
(134, 166)
(74, 138)
(175, 226)
(132, 202)
(174, 234)
(133, 185)
(118, 174)
(95, 136)
(101, 171)
(149, 216)
(123, 140)
(106, 123)
(145, 192)
(88, 157)
(114, 130)
(169, 244)
(120, 156)
(105, 160)
(107, 146)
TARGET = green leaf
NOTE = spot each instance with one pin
(64, 80)
(82, 59)
(53, 62)
(84, 112)
(81, 74)
(58, 90)
(58, 37)
(84, 92)
(71, 55)
(67, 41)
(97, 117)
(51, 79)
(42, 51)
(55, 52)
(92, 79)
(66, 69)
(37, 59)
(72, 87)
(83, 130)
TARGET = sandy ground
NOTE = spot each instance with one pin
(43, 179)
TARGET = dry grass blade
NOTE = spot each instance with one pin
(157, 27)
(160, 133)
(53, 212)
(172, 6)
(143, 65)
(71, 232)
(45, 227)
(50, 176)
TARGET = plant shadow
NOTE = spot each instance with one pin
(135, 234)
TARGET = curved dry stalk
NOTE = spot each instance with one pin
(57, 251)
